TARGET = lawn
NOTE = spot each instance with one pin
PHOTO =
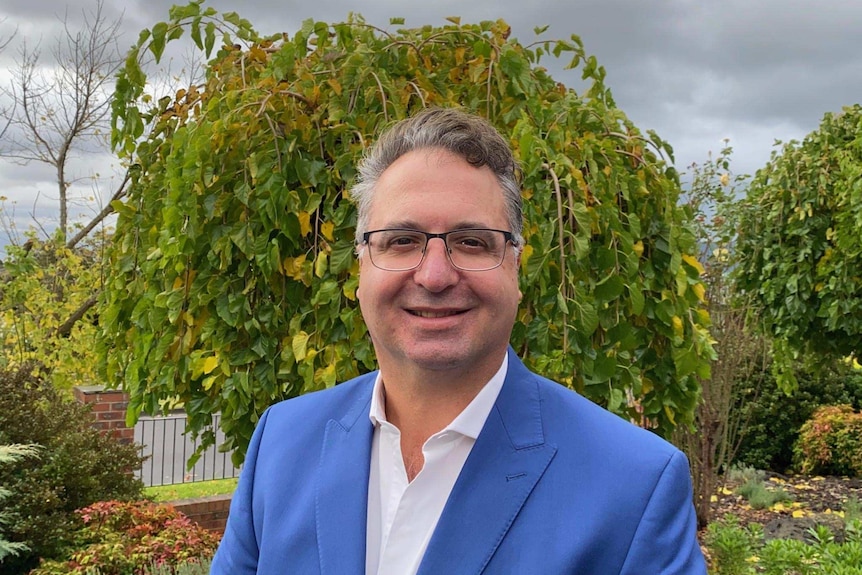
(191, 490)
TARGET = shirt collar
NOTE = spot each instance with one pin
(470, 421)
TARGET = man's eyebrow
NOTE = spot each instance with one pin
(414, 225)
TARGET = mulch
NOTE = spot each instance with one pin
(812, 495)
(815, 500)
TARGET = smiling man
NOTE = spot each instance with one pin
(452, 458)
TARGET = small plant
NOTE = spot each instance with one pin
(852, 509)
(759, 496)
(740, 474)
(785, 556)
(830, 443)
(122, 538)
(732, 546)
(197, 567)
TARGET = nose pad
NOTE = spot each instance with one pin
(446, 253)
(436, 272)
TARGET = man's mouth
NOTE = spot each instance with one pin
(433, 314)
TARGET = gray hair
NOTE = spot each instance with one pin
(468, 136)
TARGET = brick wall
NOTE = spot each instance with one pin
(208, 512)
(109, 409)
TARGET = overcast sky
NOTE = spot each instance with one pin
(695, 71)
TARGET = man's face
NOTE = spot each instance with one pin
(438, 317)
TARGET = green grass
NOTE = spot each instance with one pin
(191, 490)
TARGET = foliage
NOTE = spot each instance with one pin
(830, 443)
(121, 538)
(11, 454)
(741, 352)
(77, 466)
(232, 272)
(775, 418)
(800, 249)
(738, 550)
(47, 294)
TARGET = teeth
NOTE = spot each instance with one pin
(434, 314)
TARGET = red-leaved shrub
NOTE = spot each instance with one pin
(124, 538)
(830, 443)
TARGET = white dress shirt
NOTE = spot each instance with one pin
(401, 515)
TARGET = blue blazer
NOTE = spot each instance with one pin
(554, 485)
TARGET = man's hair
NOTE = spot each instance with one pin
(468, 136)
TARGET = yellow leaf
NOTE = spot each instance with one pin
(726, 491)
(798, 513)
(326, 228)
(778, 507)
(208, 382)
(699, 291)
(692, 261)
(210, 364)
(327, 375)
(713, 499)
(320, 264)
(638, 248)
(526, 252)
(300, 345)
(670, 415)
(293, 266)
(304, 223)
(677, 325)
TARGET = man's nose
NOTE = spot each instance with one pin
(436, 271)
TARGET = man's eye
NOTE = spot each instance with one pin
(473, 242)
(402, 242)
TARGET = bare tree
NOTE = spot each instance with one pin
(4, 113)
(65, 108)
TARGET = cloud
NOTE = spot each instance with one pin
(694, 71)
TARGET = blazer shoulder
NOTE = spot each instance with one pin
(344, 402)
(570, 416)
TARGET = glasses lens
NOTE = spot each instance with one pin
(396, 249)
(476, 250)
(469, 250)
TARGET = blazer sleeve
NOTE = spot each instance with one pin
(665, 542)
(237, 553)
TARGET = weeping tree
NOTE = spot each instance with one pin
(799, 249)
(233, 280)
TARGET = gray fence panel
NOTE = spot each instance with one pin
(167, 450)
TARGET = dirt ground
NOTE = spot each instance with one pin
(812, 495)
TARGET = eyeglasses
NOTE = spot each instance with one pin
(473, 250)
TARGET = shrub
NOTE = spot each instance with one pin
(123, 538)
(773, 418)
(830, 443)
(77, 466)
(10, 454)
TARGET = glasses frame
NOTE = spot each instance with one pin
(509, 238)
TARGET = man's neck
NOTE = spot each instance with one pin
(422, 402)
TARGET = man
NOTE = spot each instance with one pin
(453, 458)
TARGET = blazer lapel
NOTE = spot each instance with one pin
(342, 489)
(507, 460)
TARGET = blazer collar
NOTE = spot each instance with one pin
(507, 460)
(342, 485)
